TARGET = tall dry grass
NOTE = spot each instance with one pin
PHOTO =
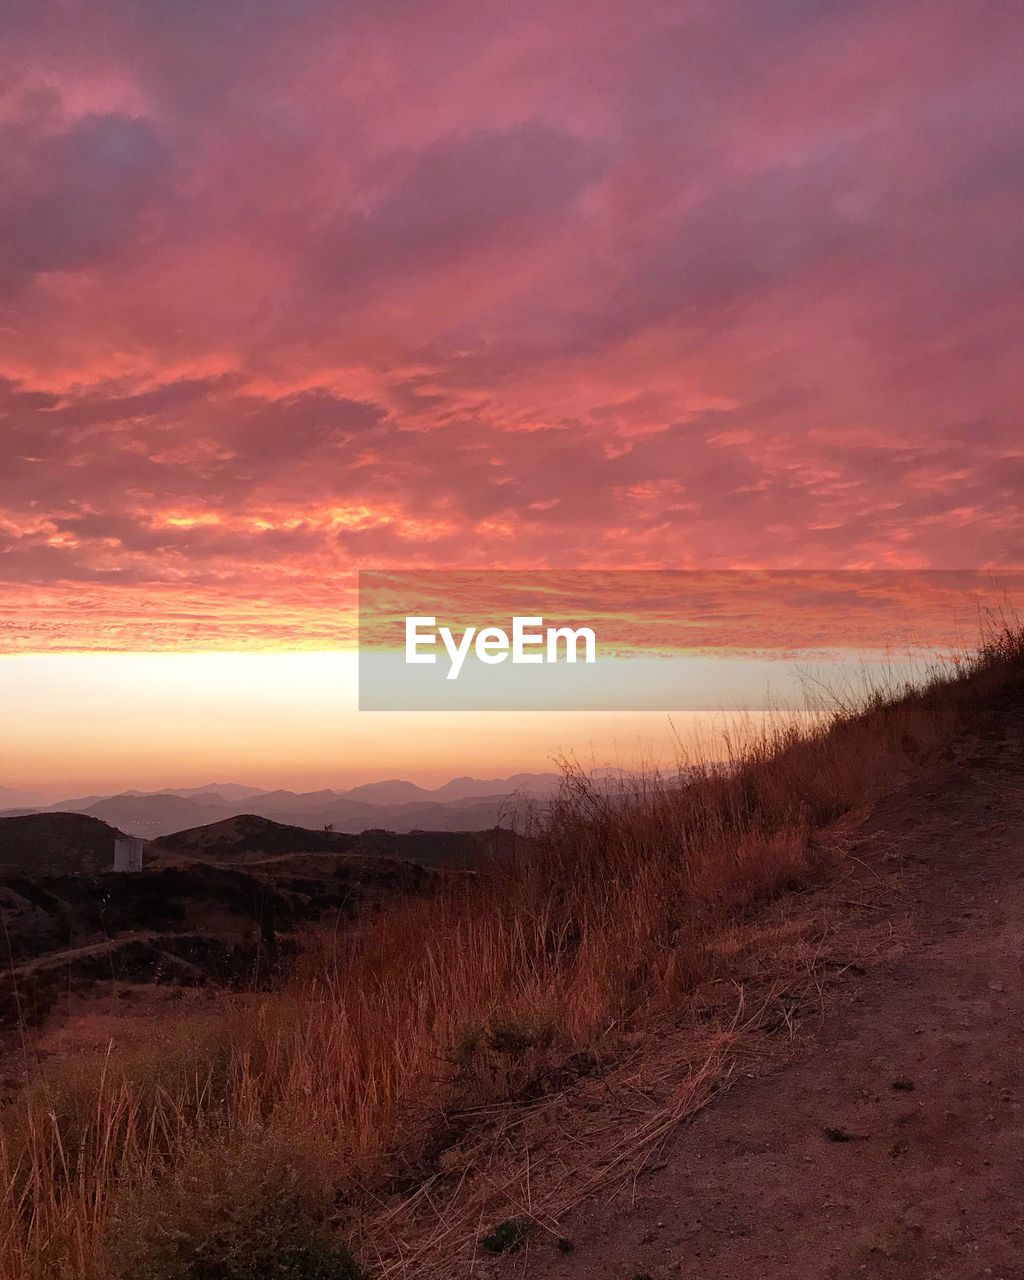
(307, 1097)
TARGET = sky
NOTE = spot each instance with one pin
(294, 287)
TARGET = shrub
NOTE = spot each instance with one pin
(234, 1214)
(507, 1237)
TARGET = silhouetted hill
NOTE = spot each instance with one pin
(528, 784)
(230, 791)
(391, 791)
(55, 843)
(157, 815)
(251, 839)
(248, 833)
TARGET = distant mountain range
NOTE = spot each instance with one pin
(463, 804)
(10, 796)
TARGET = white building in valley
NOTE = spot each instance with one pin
(128, 853)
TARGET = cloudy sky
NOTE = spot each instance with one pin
(293, 286)
(289, 286)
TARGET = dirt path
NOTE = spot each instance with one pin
(68, 955)
(923, 1072)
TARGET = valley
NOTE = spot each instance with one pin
(222, 907)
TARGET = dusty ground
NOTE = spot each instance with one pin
(919, 1069)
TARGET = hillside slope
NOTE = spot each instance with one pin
(892, 1147)
(252, 839)
(195, 924)
(248, 834)
(53, 843)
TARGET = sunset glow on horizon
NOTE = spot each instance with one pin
(289, 290)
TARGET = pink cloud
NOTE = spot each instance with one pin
(293, 288)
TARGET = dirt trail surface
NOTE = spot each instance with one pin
(67, 955)
(893, 1147)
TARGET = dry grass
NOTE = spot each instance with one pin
(342, 1089)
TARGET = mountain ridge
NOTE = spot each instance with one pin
(396, 804)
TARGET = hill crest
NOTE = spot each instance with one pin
(56, 843)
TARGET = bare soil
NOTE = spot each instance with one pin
(892, 1145)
